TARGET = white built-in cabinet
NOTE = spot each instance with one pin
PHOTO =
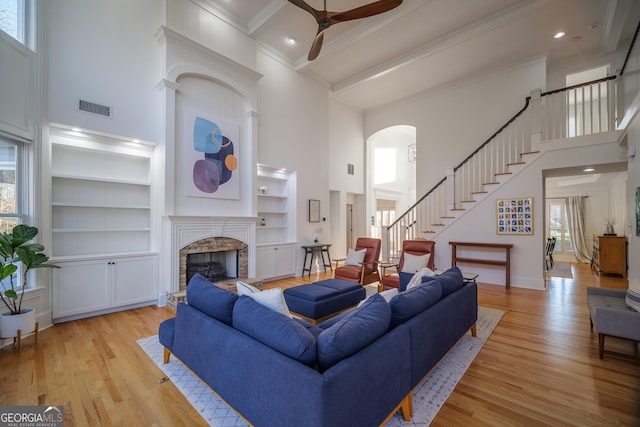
(100, 223)
(276, 230)
(98, 286)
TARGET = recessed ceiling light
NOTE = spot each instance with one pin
(588, 170)
(559, 35)
(76, 129)
(291, 41)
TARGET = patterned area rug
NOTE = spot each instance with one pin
(428, 397)
(561, 269)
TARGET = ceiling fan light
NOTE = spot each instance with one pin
(559, 35)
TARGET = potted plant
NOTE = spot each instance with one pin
(14, 249)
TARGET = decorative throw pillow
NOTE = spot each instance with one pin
(633, 295)
(273, 299)
(355, 257)
(413, 263)
(245, 288)
(418, 278)
(387, 295)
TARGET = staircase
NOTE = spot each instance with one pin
(575, 111)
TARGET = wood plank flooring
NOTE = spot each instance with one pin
(540, 367)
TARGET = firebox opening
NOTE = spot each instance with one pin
(213, 266)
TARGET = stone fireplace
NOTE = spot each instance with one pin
(189, 235)
(218, 259)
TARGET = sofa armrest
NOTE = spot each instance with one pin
(606, 292)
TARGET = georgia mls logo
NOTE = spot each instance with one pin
(32, 416)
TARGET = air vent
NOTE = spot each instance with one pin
(93, 108)
(350, 169)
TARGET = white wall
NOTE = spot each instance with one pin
(293, 133)
(106, 53)
(633, 211)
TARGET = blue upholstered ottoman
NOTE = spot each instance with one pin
(320, 300)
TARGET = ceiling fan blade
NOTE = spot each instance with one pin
(367, 10)
(317, 45)
(304, 6)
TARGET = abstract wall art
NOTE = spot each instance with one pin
(212, 158)
(514, 216)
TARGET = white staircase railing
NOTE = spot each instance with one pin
(579, 110)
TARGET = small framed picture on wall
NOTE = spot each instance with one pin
(314, 210)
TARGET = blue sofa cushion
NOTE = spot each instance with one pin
(274, 329)
(210, 299)
(407, 304)
(357, 329)
(405, 278)
(451, 280)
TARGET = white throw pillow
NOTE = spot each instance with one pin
(413, 263)
(245, 288)
(273, 299)
(633, 295)
(355, 257)
(416, 279)
(387, 295)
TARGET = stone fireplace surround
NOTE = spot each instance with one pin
(191, 234)
(214, 244)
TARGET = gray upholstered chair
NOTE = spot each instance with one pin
(611, 316)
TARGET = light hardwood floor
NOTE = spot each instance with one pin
(539, 367)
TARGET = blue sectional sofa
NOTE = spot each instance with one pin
(356, 369)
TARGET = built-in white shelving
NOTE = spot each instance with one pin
(101, 210)
(275, 235)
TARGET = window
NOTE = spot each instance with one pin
(11, 213)
(558, 226)
(12, 18)
(384, 165)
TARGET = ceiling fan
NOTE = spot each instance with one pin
(326, 19)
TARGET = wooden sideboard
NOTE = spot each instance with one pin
(610, 254)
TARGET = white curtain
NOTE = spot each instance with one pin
(575, 218)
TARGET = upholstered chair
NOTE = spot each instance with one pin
(415, 248)
(363, 269)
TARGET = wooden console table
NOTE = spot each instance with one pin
(506, 263)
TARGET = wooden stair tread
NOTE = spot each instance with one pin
(504, 173)
(445, 217)
(490, 183)
(458, 209)
(467, 201)
(479, 192)
(529, 152)
(516, 163)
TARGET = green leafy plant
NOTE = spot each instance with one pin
(14, 249)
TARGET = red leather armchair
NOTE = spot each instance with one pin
(414, 247)
(364, 273)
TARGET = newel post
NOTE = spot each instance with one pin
(451, 183)
(536, 113)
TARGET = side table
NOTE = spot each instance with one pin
(311, 251)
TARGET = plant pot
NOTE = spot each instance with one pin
(11, 323)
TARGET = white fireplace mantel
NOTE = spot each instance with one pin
(188, 229)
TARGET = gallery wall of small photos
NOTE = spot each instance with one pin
(514, 216)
